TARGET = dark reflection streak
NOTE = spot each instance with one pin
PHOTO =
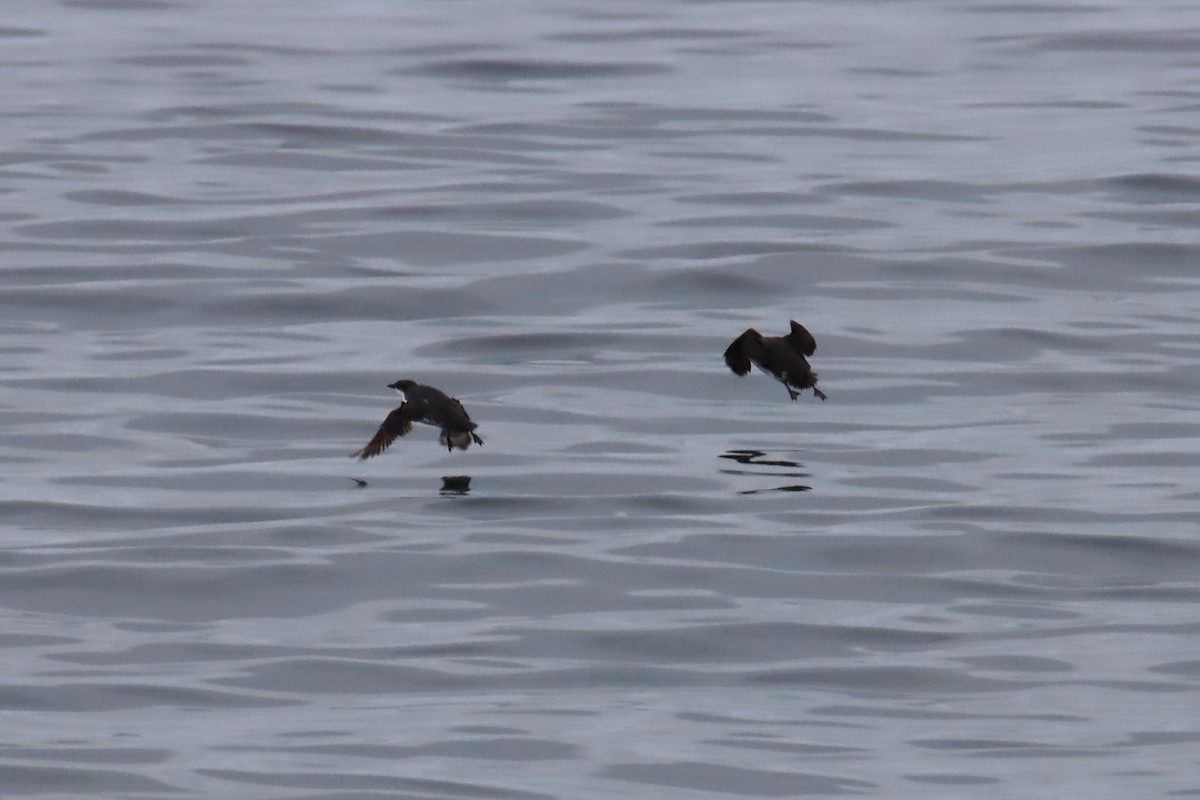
(769, 474)
(456, 484)
(754, 458)
(451, 484)
(751, 457)
(795, 487)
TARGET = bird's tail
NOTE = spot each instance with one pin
(459, 439)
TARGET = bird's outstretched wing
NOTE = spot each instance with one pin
(801, 339)
(737, 355)
(398, 423)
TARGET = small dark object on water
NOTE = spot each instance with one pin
(430, 406)
(781, 357)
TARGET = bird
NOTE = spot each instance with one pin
(781, 357)
(430, 406)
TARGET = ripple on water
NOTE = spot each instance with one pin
(208, 284)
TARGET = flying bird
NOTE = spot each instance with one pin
(781, 357)
(430, 406)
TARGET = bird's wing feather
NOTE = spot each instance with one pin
(802, 340)
(458, 416)
(736, 356)
(398, 423)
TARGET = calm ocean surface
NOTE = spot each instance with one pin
(973, 572)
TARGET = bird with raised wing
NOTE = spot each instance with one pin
(781, 357)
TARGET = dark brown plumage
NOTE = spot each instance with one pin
(430, 406)
(781, 357)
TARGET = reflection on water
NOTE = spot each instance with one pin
(756, 458)
(456, 484)
(451, 484)
(793, 487)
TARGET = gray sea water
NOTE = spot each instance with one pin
(226, 227)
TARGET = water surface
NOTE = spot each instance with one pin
(971, 572)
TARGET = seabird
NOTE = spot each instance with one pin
(430, 406)
(781, 357)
